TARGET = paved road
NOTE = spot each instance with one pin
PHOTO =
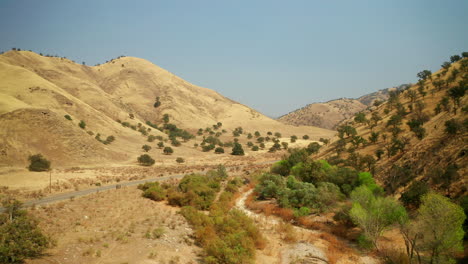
(69, 195)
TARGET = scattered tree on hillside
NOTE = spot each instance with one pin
(219, 150)
(456, 93)
(166, 118)
(168, 151)
(237, 149)
(452, 126)
(325, 141)
(82, 124)
(446, 65)
(68, 117)
(146, 160)
(346, 129)
(455, 58)
(374, 137)
(146, 148)
(423, 75)
(411, 95)
(360, 117)
(38, 163)
(157, 103)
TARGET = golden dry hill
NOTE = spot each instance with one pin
(329, 114)
(119, 98)
(419, 136)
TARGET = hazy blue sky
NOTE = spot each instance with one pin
(274, 56)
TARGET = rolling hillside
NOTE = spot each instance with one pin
(329, 114)
(37, 92)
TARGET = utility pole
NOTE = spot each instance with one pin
(50, 181)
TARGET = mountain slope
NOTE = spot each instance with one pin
(36, 92)
(329, 114)
(418, 136)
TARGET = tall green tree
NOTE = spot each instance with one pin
(374, 214)
(440, 222)
(20, 236)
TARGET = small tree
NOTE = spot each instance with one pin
(146, 160)
(146, 148)
(157, 103)
(168, 151)
(219, 150)
(237, 150)
(452, 127)
(293, 138)
(360, 118)
(180, 160)
(68, 117)
(313, 147)
(160, 144)
(166, 118)
(82, 124)
(38, 163)
(455, 58)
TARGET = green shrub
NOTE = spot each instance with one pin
(38, 163)
(109, 140)
(219, 150)
(146, 160)
(281, 167)
(146, 148)
(153, 191)
(82, 124)
(180, 160)
(237, 150)
(68, 117)
(168, 151)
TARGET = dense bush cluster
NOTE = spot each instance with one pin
(297, 182)
(38, 163)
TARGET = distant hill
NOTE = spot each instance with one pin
(37, 92)
(329, 114)
(418, 137)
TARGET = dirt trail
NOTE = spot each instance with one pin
(300, 252)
